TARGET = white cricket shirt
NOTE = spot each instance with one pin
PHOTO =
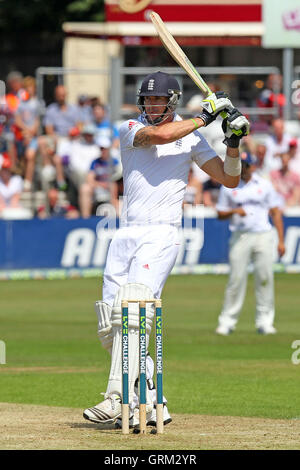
(256, 197)
(155, 177)
(14, 186)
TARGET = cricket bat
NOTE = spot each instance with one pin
(179, 56)
(177, 53)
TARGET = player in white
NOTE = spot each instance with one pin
(248, 208)
(157, 150)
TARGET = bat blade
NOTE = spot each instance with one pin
(177, 53)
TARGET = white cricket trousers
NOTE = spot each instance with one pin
(140, 254)
(258, 248)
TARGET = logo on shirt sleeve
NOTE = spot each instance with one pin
(131, 124)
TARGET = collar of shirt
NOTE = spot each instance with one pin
(253, 180)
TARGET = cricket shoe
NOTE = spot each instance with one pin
(166, 416)
(134, 418)
(105, 412)
(223, 330)
(267, 330)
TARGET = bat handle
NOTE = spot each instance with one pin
(224, 114)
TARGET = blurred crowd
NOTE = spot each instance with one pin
(273, 142)
(277, 157)
(70, 154)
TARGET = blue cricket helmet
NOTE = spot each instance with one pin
(159, 84)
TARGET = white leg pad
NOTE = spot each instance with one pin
(128, 291)
(105, 334)
(136, 292)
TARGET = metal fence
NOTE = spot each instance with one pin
(120, 89)
(119, 73)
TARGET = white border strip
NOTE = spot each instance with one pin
(186, 29)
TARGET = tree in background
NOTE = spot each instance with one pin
(31, 32)
(46, 16)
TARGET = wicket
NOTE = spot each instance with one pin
(142, 365)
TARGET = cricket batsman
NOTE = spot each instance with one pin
(157, 150)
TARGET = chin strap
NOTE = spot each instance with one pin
(159, 119)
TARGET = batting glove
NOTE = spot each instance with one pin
(213, 105)
(235, 126)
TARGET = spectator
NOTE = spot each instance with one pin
(57, 208)
(94, 101)
(6, 135)
(62, 157)
(60, 116)
(15, 95)
(286, 182)
(272, 96)
(84, 110)
(99, 185)
(211, 189)
(28, 121)
(16, 92)
(10, 185)
(106, 129)
(83, 152)
(276, 144)
(193, 191)
(294, 151)
(260, 150)
(59, 119)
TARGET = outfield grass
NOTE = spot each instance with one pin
(55, 358)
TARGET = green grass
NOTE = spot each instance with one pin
(52, 324)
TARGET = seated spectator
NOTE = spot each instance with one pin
(11, 185)
(71, 160)
(62, 155)
(14, 96)
(60, 117)
(286, 182)
(211, 189)
(193, 191)
(15, 91)
(99, 186)
(28, 121)
(294, 151)
(84, 110)
(276, 144)
(272, 97)
(106, 129)
(7, 143)
(94, 101)
(57, 208)
(260, 150)
(83, 152)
